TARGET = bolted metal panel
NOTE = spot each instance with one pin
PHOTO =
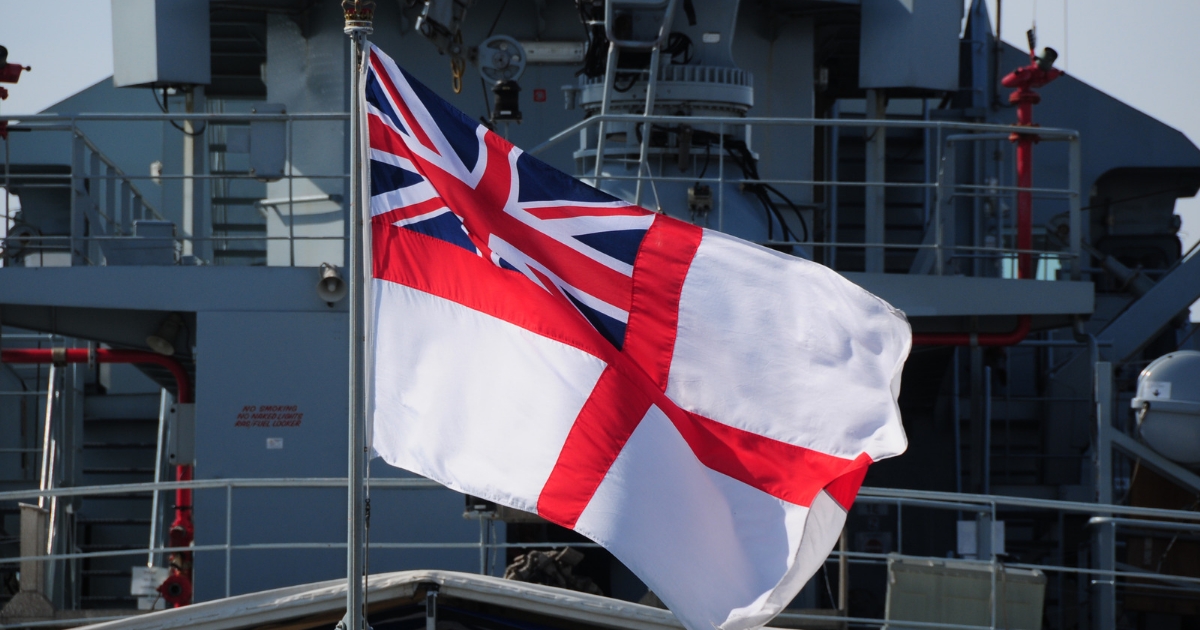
(268, 143)
(181, 445)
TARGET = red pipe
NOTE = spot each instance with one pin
(976, 339)
(104, 355)
(1024, 199)
(1024, 79)
(182, 529)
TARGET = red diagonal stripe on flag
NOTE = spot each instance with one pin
(612, 412)
(399, 103)
(567, 211)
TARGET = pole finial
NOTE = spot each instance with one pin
(359, 16)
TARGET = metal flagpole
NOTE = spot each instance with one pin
(359, 15)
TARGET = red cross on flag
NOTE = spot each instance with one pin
(702, 407)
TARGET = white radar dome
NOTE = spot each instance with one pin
(1168, 406)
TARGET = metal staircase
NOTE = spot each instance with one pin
(237, 219)
(119, 445)
(908, 161)
(103, 430)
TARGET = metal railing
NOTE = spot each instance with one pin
(624, 135)
(985, 508)
(107, 200)
(107, 203)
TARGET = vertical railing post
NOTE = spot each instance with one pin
(110, 199)
(991, 536)
(834, 157)
(610, 73)
(944, 209)
(721, 177)
(647, 126)
(228, 537)
(875, 221)
(1074, 174)
(78, 194)
(843, 575)
(44, 478)
(126, 209)
(987, 430)
(291, 203)
(482, 543)
(95, 221)
(1104, 587)
(164, 408)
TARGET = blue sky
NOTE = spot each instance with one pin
(1144, 53)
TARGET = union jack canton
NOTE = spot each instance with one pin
(436, 172)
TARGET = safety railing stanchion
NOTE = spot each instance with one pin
(291, 199)
(991, 535)
(1075, 219)
(721, 176)
(228, 537)
(164, 408)
(610, 74)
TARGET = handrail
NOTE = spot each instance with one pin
(982, 503)
(117, 170)
(945, 190)
(984, 500)
(111, 201)
(1044, 132)
(199, 116)
(951, 500)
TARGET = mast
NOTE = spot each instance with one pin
(358, 15)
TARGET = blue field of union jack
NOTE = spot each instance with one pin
(441, 174)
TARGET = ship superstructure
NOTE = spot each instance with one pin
(172, 294)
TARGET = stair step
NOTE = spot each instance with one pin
(235, 201)
(240, 253)
(83, 520)
(125, 407)
(108, 547)
(95, 421)
(239, 227)
(115, 445)
(118, 471)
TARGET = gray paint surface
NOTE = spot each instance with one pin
(282, 375)
(161, 42)
(941, 296)
(909, 44)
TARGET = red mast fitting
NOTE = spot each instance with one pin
(1038, 73)
(9, 73)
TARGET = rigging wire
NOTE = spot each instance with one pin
(492, 28)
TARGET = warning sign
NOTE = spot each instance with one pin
(269, 416)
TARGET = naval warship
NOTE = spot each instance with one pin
(173, 299)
